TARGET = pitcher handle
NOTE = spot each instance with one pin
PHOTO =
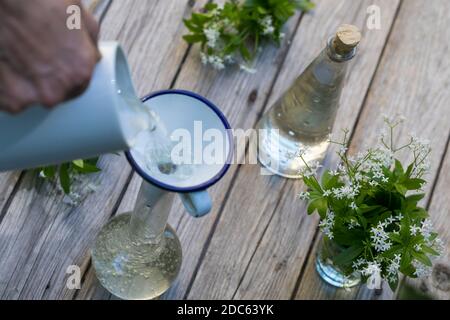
(197, 203)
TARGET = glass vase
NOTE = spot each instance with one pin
(329, 272)
(137, 255)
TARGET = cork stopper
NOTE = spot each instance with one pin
(347, 38)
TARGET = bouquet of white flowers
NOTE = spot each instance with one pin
(369, 210)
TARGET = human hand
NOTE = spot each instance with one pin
(41, 60)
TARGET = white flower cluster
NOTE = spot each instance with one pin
(421, 149)
(247, 69)
(422, 270)
(372, 166)
(298, 153)
(394, 267)
(327, 224)
(311, 170)
(414, 230)
(358, 264)
(350, 191)
(373, 271)
(217, 62)
(267, 25)
(370, 269)
(426, 230)
(303, 195)
(212, 34)
(353, 224)
(353, 206)
(438, 245)
(380, 237)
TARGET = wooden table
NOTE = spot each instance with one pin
(258, 241)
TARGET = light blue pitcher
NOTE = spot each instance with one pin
(98, 122)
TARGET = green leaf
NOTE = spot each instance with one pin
(329, 181)
(87, 168)
(415, 197)
(319, 204)
(261, 10)
(419, 213)
(422, 258)
(398, 168)
(196, 29)
(429, 250)
(64, 177)
(210, 6)
(305, 5)
(346, 237)
(245, 53)
(395, 237)
(49, 172)
(409, 170)
(199, 18)
(401, 188)
(413, 184)
(78, 163)
(312, 183)
(194, 38)
(348, 255)
(405, 264)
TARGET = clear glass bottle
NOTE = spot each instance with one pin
(328, 271)
(137, 255)
(303, 118)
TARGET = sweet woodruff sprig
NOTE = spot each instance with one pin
(233, 33)
(65, 172)
(369, 207)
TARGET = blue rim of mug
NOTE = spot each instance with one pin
(200, 187)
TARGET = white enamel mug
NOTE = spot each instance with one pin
(185, 110)
(98, 122)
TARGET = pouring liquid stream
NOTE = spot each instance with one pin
(153, 146)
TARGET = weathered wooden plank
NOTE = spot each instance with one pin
(43, 236)
(7, 182)
(268, 236)
(409, 77)
(150, 33)
(154, 61)
(241, 97)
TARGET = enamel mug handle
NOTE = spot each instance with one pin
(197, 204)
